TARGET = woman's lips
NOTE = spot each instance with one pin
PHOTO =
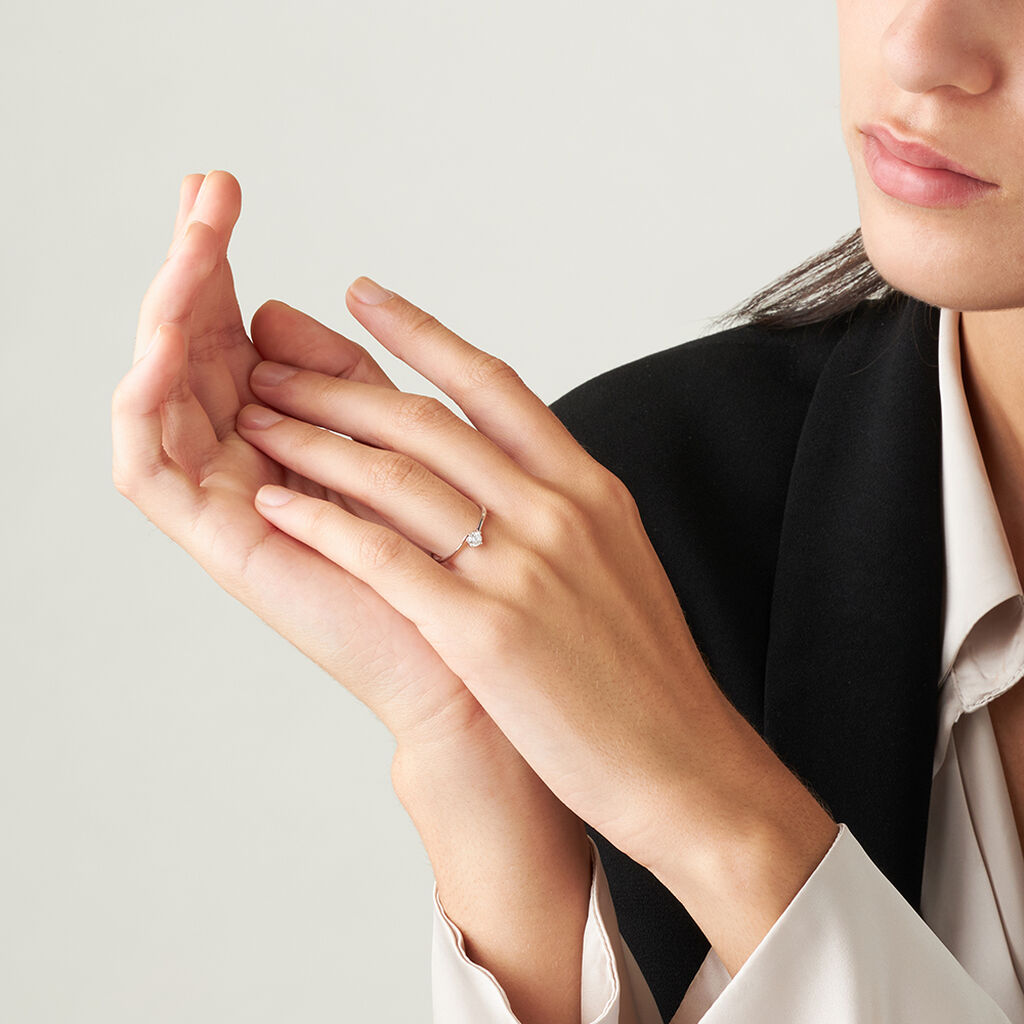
(931, 186)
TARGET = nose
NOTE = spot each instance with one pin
(936, 43)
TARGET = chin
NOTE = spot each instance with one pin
(927, 258)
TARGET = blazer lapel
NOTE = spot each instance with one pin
(853, 661)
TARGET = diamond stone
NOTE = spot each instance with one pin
(475, 539)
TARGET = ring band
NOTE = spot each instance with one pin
(474, 538)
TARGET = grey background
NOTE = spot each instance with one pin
(198, 823)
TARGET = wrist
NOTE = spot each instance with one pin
(511, 863)
(736, 843)
(471, 759)
(765, 838)
(741, 798)
(479, 808)
(476, 790)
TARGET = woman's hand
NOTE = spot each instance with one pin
(179, 458)
(562, 623)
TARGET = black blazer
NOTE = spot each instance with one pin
(790, 483)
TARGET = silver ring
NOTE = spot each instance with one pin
(474, 538)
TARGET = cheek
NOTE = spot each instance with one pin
(859, 81)
(864, 86)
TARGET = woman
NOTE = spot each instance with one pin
(805, 796)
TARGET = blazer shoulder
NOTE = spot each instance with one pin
(706, 432)
(737, 389)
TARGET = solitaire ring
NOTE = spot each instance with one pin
(473, 539)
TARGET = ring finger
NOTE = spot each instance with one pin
(422, 506)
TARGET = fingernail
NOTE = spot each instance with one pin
(271, 494)
(269, 373)
(257, 417)
(368, 291)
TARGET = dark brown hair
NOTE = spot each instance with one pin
(827, 284)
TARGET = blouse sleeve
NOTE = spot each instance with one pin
(848, 949)
(464, 992)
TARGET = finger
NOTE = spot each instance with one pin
(412, 582)
(421, 427)
(486, 388)
(220, 355)
(346, 501)
(298, 482)
(187, 193)
(173, 291)
(188, 435)
(287, 335)
(281, 332)
(426, 509)
(142, 470)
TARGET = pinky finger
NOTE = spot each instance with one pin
(142, 470)
(412, 582)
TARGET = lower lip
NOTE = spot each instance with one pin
(922, 186)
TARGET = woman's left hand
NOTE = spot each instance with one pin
(562, 623)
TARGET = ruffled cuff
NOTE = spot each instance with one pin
(464, 992)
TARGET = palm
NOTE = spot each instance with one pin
(211, 474)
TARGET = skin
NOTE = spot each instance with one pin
(949, 72)
(545, 679)
(548, 677)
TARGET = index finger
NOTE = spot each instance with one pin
(492, 395)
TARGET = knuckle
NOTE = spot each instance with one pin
(268, 312)
(320, 519)
(302, 439)
(120, 402)
(599, 489)
(530, 586)
(379, 548)
(394, 472)
(610, 490)
(488, 371)
(556, 517)
(132, 482)
(421, 322)
(418, 413)
(323, 389)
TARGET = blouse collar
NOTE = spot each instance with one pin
(983, 620)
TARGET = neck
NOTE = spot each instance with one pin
(992, 363)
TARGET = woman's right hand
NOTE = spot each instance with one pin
(511, 862)
(179, 458)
